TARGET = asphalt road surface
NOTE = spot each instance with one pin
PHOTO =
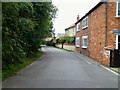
(61, 69)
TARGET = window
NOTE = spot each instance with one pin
(78, 42)
(85, 23)
(84, 41)
(78, 27)
(118, 9)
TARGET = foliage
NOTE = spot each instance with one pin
(64, 49)
(66, 39)
(14, 69)
(71, 40)
(24, 25)
(58, 41)
(48, 43)
(63, 39)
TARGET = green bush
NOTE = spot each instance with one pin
(71, 40)
(57, 41)
(49, 43)
(63, 39)
(66, 39)
(24, 26)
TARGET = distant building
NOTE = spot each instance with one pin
(60, 35)
(70, 31)
(48, 39)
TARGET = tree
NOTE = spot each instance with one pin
(63, 40)
(24, 25)
(71, 39)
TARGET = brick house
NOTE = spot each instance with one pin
(98, 31)
(71, 30)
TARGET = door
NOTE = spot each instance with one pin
(119, 42)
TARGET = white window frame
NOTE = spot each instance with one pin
(85, 23)
(84, 37)
(77, 42)
(117, 9)
(78, 26)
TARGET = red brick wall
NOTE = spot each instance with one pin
(77, 49)
(96, 33)
(81, 33)
(85, 32)
(113, 23)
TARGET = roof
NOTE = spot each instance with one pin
(71, 26)
(60, 34)
(116, 32)
(109, 47)
(48, 39)
(90, 11)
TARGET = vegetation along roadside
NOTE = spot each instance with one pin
(64, 49)
(24, 27)
(15, 68)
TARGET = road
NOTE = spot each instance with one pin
(61, 69)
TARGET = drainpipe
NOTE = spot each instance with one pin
(106, 34)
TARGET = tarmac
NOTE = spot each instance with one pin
(72, 47)
(115, 69)
(62, 69)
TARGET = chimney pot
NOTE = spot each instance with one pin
(78, 17)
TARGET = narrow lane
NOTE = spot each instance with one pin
(62, 69)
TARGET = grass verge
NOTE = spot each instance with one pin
(14, 69)
(64, 49)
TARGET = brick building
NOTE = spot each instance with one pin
(70, 31)
(98, 31)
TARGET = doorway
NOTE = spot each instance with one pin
(119, 42)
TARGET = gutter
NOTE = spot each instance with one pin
(69, 27)
(106, 34)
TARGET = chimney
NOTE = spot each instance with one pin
(78, 17)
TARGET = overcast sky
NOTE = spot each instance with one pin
(68, 11)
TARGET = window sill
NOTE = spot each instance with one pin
(84, 47)
(84, 27)
(77, 46)
(77, 31)
(117, 16)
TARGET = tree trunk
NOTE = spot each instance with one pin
(62, 45)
